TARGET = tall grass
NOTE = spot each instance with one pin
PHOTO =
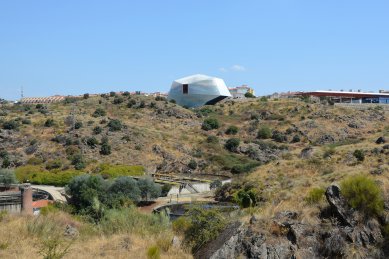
(130, 220)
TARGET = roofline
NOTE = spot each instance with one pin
(343, 93)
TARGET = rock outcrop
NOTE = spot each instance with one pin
(341, 229)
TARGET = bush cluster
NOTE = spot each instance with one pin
(232, 144)
(232, 130)
(264, 132)
(210, 124)
(99, 112)
(315, 195)
(364, 194)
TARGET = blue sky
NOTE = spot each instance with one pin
(74, 47)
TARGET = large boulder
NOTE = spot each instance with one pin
(339, 206)
(380, 140)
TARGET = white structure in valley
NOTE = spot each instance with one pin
(197, 90)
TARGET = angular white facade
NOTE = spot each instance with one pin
(197, 90)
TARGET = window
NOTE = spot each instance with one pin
(185, 88)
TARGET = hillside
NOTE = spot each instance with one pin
(165, 137)
(283, 157)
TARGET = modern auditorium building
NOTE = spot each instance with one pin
(198, 90)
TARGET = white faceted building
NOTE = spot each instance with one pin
(197, 90)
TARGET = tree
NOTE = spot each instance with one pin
(210, 124)
(232, 144)
(86, 96)
(7, 177)
(125, 188)
(84, 189)
(249, 95)
(112, 94)
(149, 189)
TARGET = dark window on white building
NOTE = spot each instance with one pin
(185, 88)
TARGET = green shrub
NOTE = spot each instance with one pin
(296, 138)
(92, 142)
(232, 130)
(315, 195)
(153, 252)
(215, 184)
(181, 225)
(105, 148)
(205, 226)
(78, 125)
(112, 94)
(131, 103)
(86, 96)
(279, 136)
(263, 99)
(49, 123)
(192, 164)
(115, 125)
(210, 124)
(359, 155)
(212, 139)
(245, 198)
(264, 132)
(97, 130)
(99, 112)
(232, 144)
(36, 175)
(118, 100)
(54, 164)
(113, 171)
(363, 194)
(11, 125)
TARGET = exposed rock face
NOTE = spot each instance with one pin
(330, 239)
(339, 205)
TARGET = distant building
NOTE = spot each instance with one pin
(36, 100)
(350, 96)
(240, 91)
(197, 90)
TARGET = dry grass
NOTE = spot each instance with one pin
(19, 240)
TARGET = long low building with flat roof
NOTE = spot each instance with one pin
(350, 97)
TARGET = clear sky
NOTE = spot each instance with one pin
(74, 47)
